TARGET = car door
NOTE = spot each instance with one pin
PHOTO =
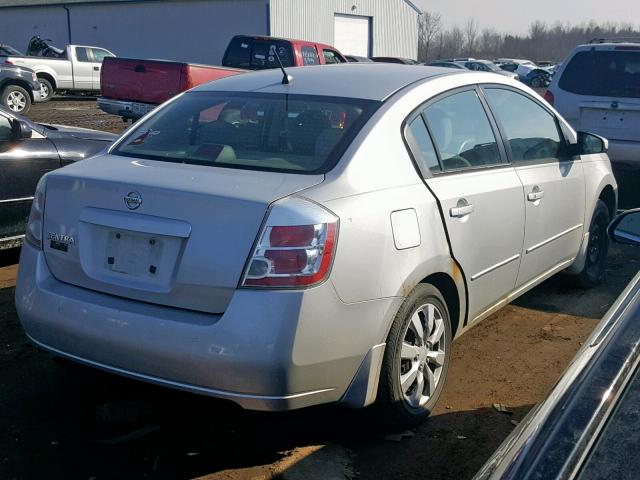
(97, 57)
(479, 193)
(82, 69)
(554, 186)
(22, 163)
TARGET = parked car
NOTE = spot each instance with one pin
(533, 76)
(512, 64)
(487, 66)
(7, 50)
(404, 61)
(27, 151)
(19, 88)
(280, 246)
(357, 59)
(438, 63)
(597, 88)
(131, 88)
(74, 69)
(587, 426)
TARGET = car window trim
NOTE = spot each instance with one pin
(505, 139)
(504, 160)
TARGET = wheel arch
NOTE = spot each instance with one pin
(49, 77)
(449, 290)
(608, 196)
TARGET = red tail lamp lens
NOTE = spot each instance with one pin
(298, 236)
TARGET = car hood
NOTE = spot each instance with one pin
(54, 132)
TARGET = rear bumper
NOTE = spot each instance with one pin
(132, 110)
(624, 153)
(269, 350)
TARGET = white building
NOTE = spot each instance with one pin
(199, 30)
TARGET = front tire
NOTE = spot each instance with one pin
(592, 273)
(16, 99)
(46, 89)
(416, 359)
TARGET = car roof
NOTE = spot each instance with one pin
(370, 81)
(293, 41)
(612, 45)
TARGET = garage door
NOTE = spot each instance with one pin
(352, 35)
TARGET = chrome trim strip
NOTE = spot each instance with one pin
(555, 237)
(496, 266)
(23, 199)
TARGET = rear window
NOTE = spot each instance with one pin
(257, 54)
(603, 73)
(272, 132)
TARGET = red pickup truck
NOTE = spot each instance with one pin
(131, 88)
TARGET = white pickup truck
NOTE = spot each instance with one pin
(77, 69)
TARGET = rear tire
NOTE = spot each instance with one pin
(536, 82)
(16, 99)
(416, 359)
(592, 273)
(46, 89)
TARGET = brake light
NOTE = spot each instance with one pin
(8, 62)
(293, 255)
(548, 96)
(33, 234)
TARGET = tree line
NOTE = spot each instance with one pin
(543, 42)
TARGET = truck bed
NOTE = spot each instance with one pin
(154, 81)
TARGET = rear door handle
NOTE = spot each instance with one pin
(536, 194)
(462, 210)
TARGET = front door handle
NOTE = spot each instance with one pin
(536, 194)
(462, 209)
(97, 69)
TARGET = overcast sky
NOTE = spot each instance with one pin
(515, 15)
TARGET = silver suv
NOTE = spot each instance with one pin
(282, 245)
(597, 89)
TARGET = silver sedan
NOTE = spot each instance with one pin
(324, 239)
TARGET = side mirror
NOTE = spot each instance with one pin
(589, 144)
(625, 228)
(24, 129)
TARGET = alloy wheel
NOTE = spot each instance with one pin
(423, 355)
(16, 101)
(44, 90)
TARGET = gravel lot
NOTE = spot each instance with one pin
(61, 421)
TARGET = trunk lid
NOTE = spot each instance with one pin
(166, 233)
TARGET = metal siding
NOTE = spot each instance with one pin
(191, 30)
(394, 24)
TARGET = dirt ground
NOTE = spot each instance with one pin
(63, 421)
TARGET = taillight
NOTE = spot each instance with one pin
(8, 62)
(33, 234)
(293, 255)
(548, 96)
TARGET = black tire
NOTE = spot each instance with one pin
(45, 87)
(9, 96)
(593, 271)
(393, 407)
(536, 82)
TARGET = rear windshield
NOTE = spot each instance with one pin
(257, 54)
(603, 73)
(273, 132)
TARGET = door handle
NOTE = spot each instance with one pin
(535, 195)
(462, 209)
(97, 69)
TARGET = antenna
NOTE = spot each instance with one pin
(286, 78)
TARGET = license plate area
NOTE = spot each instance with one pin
(612, 123)
(137, 255)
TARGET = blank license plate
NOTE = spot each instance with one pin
(133, 254)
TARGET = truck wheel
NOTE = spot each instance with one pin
(416, 359)
(593, 271)
(46, 89)
(16, 99)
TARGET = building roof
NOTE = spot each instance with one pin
(33, 3)
(371, 81)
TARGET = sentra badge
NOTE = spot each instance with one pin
(61, 242)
